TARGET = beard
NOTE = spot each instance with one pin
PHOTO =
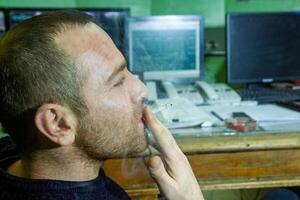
(110, 136)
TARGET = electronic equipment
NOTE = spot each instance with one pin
(218, 93)
(166, 47)
(187, 101)
(199, 93)
(110, 19)
(191, 93)
(2, 23)
(263, 47)
(203, 93)
(167, 52)
(269, 95)
(187, 91)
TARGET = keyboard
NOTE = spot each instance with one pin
(183, 113)
(268, 95)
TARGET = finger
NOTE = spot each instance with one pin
(159, 174)
(163, 137)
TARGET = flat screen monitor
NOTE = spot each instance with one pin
(165, 47)
(110, 19)
(263, 47)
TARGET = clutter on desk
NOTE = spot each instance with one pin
(240, 121)
(266, 116)
(182, 114)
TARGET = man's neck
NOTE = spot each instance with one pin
(56, 164)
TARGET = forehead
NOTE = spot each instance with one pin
(90, 46)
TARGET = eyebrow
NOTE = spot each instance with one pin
(116, 71)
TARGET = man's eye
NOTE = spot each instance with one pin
(119, 82)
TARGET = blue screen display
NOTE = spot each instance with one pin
(163, 50)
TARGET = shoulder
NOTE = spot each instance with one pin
(113, 188)
(8, 151)
(7, 146)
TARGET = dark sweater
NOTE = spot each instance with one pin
(16, 188)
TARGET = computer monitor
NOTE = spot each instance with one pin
(165, 47)
(110, 19)
(2, 22)
(263, 47)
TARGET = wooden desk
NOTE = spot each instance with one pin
(223, 162)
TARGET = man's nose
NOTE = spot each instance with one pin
(143, 92)
(140, 92)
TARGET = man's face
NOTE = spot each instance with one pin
(113, 126)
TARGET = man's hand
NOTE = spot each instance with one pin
(171, 170)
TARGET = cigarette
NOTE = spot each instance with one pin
(147, 102)
(161, 108)
(148, 134)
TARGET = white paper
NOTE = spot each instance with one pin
(268, 116)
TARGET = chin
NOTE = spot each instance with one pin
(142, 147)
(139, 147)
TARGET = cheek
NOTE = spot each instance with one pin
(119, 99)
(117, 102)
(116, 109)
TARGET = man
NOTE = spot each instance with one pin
(69, 103)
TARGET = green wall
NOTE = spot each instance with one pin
(212, 10)
(2, 134)
(38, 3)
(137, 7)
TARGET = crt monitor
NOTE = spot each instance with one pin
(263, 47)
(110, 19)
(165, 47)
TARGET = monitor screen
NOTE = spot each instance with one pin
(2, 23)
(110, 19)
(263, 47)
(165, 47)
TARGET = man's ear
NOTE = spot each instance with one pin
(57, 123)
